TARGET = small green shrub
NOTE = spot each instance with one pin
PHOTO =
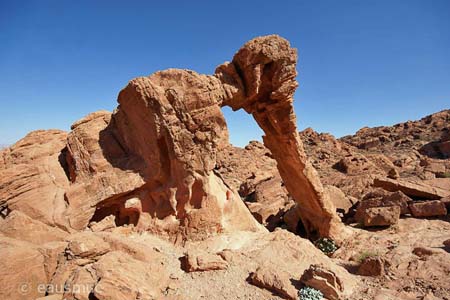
(309, 293)
(326, 245)
(366, 254)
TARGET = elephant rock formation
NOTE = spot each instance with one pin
(152, 162)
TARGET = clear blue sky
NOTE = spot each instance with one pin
(362, 63)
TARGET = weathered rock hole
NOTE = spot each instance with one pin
(122, 215)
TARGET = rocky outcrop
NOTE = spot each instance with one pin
(33, 178)
(18, 225)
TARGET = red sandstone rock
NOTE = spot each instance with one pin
(276, 282)
(19, 226)
(341, 202)
(269, 202)
(323, 280)
(424, 251)
(33, 179)
(107, 223)
(86, 245)
(199, 261)
(411, 188)
(264, 87)
(21, 270)
(428, 209)
(161, 164)
(129, 278)
(371, 266)
(381, 216)
(355, 164)
(387, 200)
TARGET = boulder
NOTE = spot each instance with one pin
(277, 282)
(341, 202)
(269, 202)
(371, 266)
(199, 261)
(292, 219)
(52, 253)
(323, 280)
(387, 200)
(381, 216)
(438, 148)
(428, 209)
(399, 199)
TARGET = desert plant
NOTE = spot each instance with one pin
(366, 254)
(326, 245)
(309, 293)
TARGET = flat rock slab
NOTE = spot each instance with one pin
(434, 208)
(411, 188)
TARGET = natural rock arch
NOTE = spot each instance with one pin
(158, 150)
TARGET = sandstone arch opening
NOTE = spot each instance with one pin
(122, 215)
(241, 127)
